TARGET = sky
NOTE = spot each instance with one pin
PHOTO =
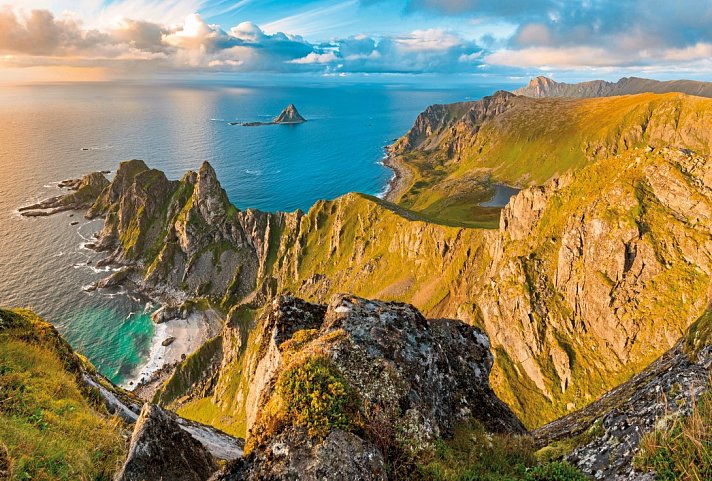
(48, 40)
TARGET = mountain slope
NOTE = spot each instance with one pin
(587, 280)
(546, 87)
(521, 141)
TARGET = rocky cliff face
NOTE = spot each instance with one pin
(185, 236)
(545, 87)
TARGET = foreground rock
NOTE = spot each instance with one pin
(83, 194)
(160, 449)
(417, 376)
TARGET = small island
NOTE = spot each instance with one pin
(288, 116)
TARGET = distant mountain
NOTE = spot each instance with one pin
(289, 116)
(546, 87)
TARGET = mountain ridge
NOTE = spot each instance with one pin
(540, 87)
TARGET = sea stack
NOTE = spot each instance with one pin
(289, 116)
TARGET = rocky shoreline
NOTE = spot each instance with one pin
(401, 180)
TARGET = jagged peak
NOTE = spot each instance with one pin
(289, 115)
(132, 166)
(542, 79)
(206, 169)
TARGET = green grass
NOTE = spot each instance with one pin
(683, 449)
(189, 372)
(51, 426)
(475, 455)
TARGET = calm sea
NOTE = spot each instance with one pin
(44, 129)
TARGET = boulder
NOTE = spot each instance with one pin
(161, 450)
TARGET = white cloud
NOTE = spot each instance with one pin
(316, 58)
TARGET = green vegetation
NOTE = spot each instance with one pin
(536, 140)
(699, 335)
(682, 450)
(52, 426)
(559, 449)
(474, 455)
(189, 372)
(316, 396)
(225, 407)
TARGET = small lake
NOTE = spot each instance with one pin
(502, 194)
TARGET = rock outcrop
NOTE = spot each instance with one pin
(545, 87)
(83, 194)
(294, 455)
(160, 449)
(424, 376)
(289, 116)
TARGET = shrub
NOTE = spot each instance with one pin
(316, 396)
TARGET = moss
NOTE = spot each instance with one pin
(315, 395)
(699, 335)
(559, 449)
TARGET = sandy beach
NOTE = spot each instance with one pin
(189, 334)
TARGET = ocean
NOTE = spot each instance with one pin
(53, 132)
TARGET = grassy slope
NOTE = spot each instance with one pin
(52, 426)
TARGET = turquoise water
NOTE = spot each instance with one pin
(43, 130)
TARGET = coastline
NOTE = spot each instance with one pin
(401, 180)
(188, 336)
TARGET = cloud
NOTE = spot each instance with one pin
(316, 58)
(42, 34)
(39, 38)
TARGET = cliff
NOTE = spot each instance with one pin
(604, 438)
(545, 87)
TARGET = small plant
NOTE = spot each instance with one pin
(316, 396)
(556, 471)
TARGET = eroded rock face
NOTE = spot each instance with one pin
(432, 126)
(294, 455)
(161, 450)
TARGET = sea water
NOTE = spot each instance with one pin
(52, 132)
